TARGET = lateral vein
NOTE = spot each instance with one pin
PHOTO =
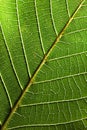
(22, 41)
(6, 90)
(11, 59)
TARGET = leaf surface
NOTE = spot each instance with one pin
(43, 64)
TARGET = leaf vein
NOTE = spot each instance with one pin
(22, 41)
(39, 30)
(59, 78)
(43, 125)
(68, 56)
(11, 60)
(67, 7)
(6, 90)
(52, 17)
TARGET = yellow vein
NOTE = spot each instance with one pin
(84, 5)
(54, 102)
(11, 60)
(22, 41)
(39, 67)
(70, 113)
(68, 56)
(81, 17)
(73, 32)
(53, 22)
(38, 23)
(59, 78)
(83, 61)
(79, 108)
(77, 85)
(6, 90)
(67, 7)
(43, 125)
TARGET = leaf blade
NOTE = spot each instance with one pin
(45, 58)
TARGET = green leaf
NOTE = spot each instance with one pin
(43, 64)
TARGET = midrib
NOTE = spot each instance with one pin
(4, 125)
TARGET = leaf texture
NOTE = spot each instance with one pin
(43, 65)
